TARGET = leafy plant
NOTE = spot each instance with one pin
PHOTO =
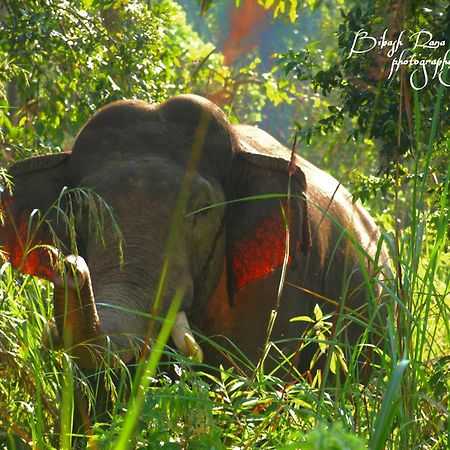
(61, 61)
(381, 103)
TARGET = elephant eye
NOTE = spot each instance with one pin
(199, 210)
(204, 209)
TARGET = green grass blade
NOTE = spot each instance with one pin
(388, 409)
(67, 405)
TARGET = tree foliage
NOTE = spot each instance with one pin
(60, 61)
(379, 99)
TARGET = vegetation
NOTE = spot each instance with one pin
(60, 61)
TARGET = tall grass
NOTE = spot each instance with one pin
(404, 404)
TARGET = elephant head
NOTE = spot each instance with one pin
(200, 214)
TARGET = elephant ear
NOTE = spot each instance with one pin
(257, 227)
(37, 183)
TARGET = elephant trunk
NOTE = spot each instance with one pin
(86, 322)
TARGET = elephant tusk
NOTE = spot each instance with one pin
(183, 338)
(193, 348)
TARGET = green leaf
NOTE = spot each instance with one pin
(388, 410)
(302, 319)
(293, 10)
(318, 313)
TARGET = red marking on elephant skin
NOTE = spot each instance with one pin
(23, 250)
(258, 255)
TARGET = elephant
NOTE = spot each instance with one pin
(222, 216)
